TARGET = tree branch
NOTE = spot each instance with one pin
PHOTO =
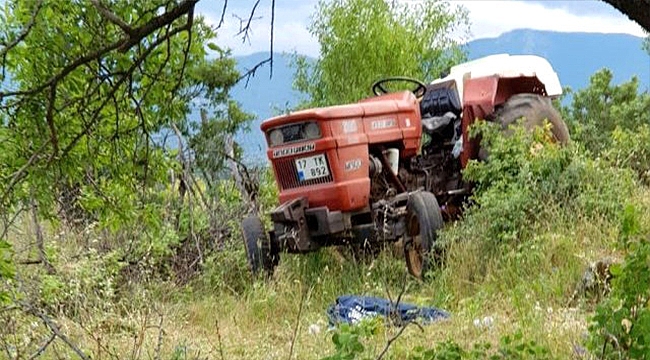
(637, 10)
(187, 175)
(186, 7)
(395, 318)
(20, 173)
(49, 117)
(251, 72)
(8, 222)
(245, 29)
(49, 323)
(23, 34)
(186, 51)
(223, 14)
(110, 16)
(40, 243)
(41, 349)
(117, 85)
(391, 341)
(121, 45)
(272, 36)
(36, 156)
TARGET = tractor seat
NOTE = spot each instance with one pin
(439, 101)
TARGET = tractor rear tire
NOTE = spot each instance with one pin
(534, 109)
(260, 252)
(423, 220)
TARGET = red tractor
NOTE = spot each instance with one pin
(388, 168)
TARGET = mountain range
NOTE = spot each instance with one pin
(574, 56)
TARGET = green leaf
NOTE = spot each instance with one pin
(616, 270)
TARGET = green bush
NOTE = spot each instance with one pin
(621, 325)
(349, 344)
(535, 205)
(528, 179)
(596, 111)
(348, 340)
(514, 347)
(88, 284)
(226, 270)
(622, 322)
(631, 149)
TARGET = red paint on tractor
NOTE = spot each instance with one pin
(346, 133)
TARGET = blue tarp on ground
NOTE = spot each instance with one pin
(351, 309)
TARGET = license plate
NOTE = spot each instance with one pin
(312, 167)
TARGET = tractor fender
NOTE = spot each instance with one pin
(502, 66)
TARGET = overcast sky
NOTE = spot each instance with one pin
(487, 19)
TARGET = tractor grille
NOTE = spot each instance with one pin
(288, 175)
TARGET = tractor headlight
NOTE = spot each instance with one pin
(312, 131)
(276, 137)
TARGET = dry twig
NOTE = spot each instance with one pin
(54, 328)
(216, 323)
(40, 242)
(295, 329)
(395, 318)
(161, 332)
(251, 72)
(42, 348)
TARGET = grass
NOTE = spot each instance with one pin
(521, 283)
(259, 322)
(525, 288)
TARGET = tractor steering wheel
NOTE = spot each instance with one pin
(418, 91)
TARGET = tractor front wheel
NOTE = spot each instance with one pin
(260, 252)
(423, 220)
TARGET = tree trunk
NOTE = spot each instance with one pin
(40, 242)
(637, 10)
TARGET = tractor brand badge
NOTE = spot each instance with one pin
(382, 124)
(352, 165)
(349, 126)
(294, 150)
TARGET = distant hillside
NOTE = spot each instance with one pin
(575, 57)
